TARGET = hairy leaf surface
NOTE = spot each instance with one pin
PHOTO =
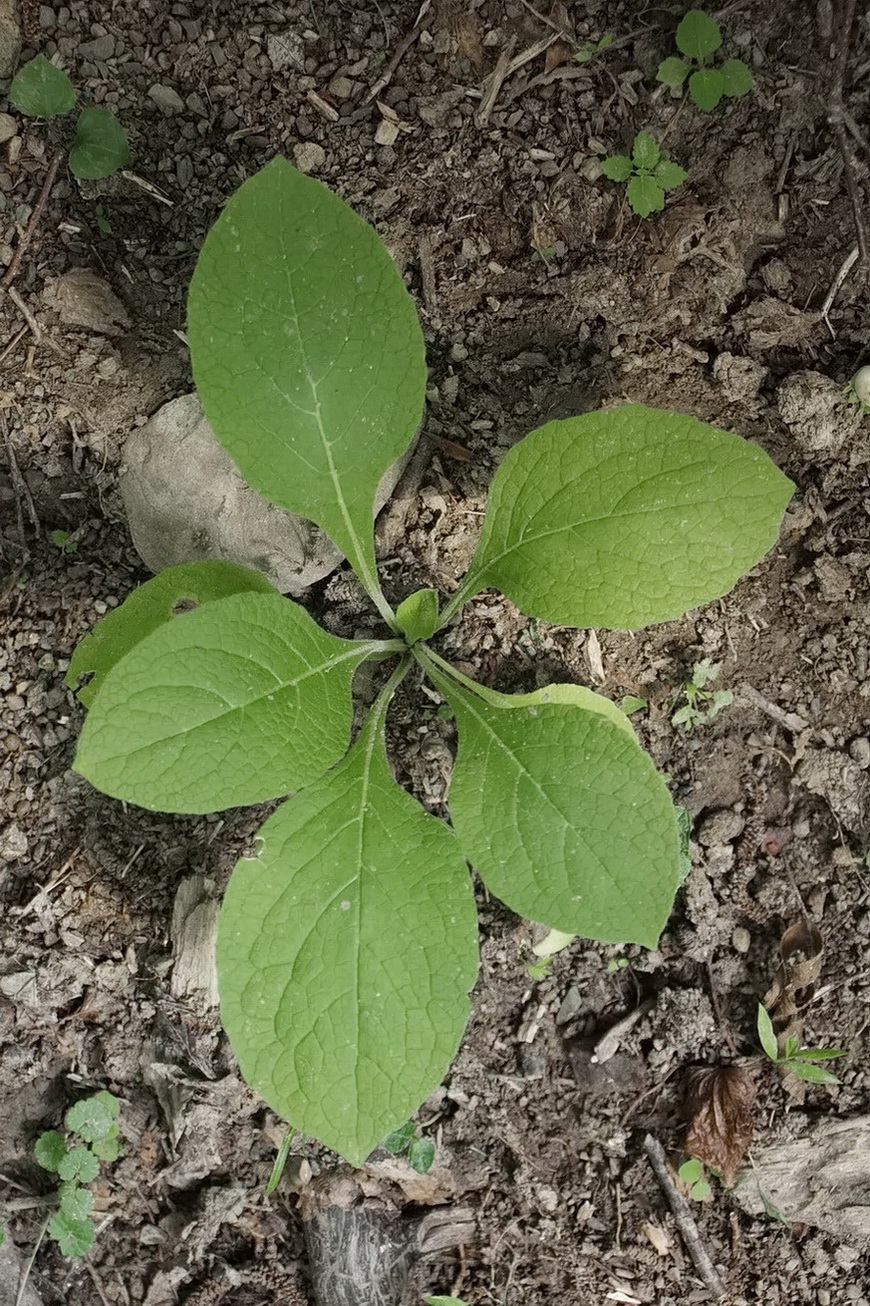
(625, 517)
(346, 950)
(175, 592)
(307, 352)
(41, 90)
(563, 814)
(242, 700)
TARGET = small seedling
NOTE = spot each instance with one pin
(702, 704)
(698, 39)
(616, 964)
(591, 48)
(544, 254)
(799, 1060)
(63, 541)
(858, 389)
(99, 147)
(347, 942)
(444, 1301)
(649, 174)
(91, 1137)
(631, 703)
(554, 941)
(694, 1176)
(420, 1152)
(280, 1161)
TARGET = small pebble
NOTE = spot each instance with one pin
(741, 939)
(309, 157)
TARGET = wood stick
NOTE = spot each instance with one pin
(27, 235)
(684, 1219)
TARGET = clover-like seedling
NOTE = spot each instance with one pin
(790, 1055)
(698, 38)
(347, 941)
(702, 704)
(649, 174)
(694, 1176)
(91, 1137)
(419, 1152)
(588, 51)
(99, 147)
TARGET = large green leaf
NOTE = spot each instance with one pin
(41, 90)
(346, 950)
(243, 699)
(625, 517)
(175, 592)
(562, 813)
(307, 352)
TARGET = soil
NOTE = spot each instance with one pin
(542, 296)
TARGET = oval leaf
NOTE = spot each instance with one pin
(564, 816)
(100, 147)
(417, 617)
(698, 35)
(645, 196)
(617, 167)
(242, 700)
(645, 151)
(625, 517)
(175, 592)
(345, 954)
(307, 352)
(673, 71)
(736, 77)
(74, 1237)
(40, 90)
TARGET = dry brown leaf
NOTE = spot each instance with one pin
(719, 1107)
(561, 51)
(794, 986)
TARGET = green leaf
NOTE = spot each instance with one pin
(176, 591)
(307, 352)
(767, 1034)
(645, 152)
(40, 90)
(49, 1150)
(93, 1118)
(107, 1149)
(100, 146)
(74, 1237)
(701, 1191)
(444, 1301)
(280, 1161)
(398, 1139)
(79, 1164)
(673, 71)
(345, 954)
(707, 88)
(645, 196)
(670, 175)
(812, 1074)
(691, 1171)
(421, 1154)
(819, 1054)
(76, 1202)
(242, 700)
(624, 517)
(563, 815)
(617, 168)
(417, 617)
(698, 36)
(736, 78)
(631, 703)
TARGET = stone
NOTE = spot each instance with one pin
(285, 50)
(840, 780)
(166, 99)
(10, 37)
(13, 844)
(8, 128)
(186, 501)
(739, 377)
(98, 50)
(81, 298)
(308, 156)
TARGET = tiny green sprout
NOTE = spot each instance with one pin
(280, 1161)
(631, 703)
(444, 1301)
(799, 1060)
(591, 48)
(544, 254)
(99, 148)
(617, 963)
(649, 174)
(858, 389)
(62, 540)
(698, 38)
(553, 941)
(702, 704)
(420, 1152)
(694, 1176)
(94, 1123)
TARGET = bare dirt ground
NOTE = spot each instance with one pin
(542, 296)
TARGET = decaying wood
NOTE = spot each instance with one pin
(685, 1221)
(361, 1248)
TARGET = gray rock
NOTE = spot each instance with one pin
(309, 156)
(186, 501)
(838, 779)
(166, 99)
(101, 48)
(285, 50)
(10, 37)
(817, 413)
(8, 127)
(81, 298)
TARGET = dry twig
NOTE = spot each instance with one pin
(841, 124)
(684, 1219)
(27, 235)
(401, 50)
